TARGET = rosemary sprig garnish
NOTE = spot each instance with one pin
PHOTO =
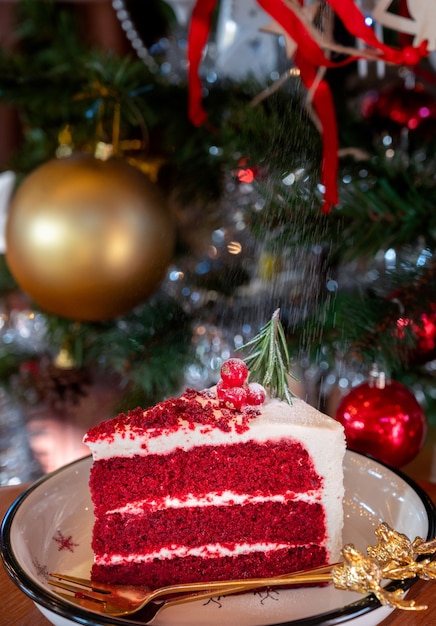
(268, 359)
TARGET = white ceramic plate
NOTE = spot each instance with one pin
(48, 529)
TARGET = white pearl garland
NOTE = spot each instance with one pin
(132, 34)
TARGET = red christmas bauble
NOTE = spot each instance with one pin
(388, 423)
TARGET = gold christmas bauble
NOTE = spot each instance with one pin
(88, 239)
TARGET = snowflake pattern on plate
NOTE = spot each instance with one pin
(65, 542)
(41, 570)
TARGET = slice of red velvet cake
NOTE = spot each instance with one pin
(193, 489)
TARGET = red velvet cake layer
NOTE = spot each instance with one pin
(194, 569)
(295, 523)
(245, 468)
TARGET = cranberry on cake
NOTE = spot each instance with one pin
(217, 484)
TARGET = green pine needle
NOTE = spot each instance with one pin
(268, 359)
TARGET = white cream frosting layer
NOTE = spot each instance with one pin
(277, 420)
(208, 551)
(226, 498)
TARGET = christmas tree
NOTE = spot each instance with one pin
(248, 194)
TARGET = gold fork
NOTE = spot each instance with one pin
(147, 612)
(120, 600)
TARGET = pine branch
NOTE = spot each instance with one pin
(268, 359)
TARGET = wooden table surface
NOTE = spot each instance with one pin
(18, 610)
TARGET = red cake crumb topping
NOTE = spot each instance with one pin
(169, 413)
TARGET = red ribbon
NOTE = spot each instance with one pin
(355, 23)
(324, 106)
(308, 58)
(198, 34)
(298, 32)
